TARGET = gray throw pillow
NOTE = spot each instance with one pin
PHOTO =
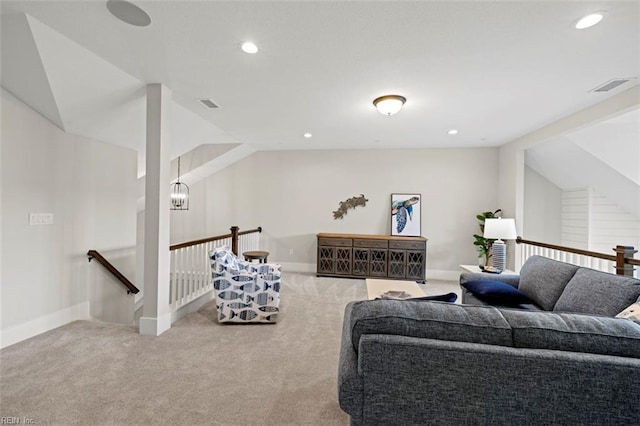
(544, 279)
(598, 293)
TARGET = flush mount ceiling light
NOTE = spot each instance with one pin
(389, 104)
(249, 47)
(590, 20)
(307, 135)
(453, 132)
(128, 12)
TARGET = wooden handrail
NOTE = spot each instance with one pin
(131, 288)
(610, 257)
(93, 254)
(216, 238)
(620, 258)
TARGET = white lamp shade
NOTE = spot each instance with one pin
(500, 229)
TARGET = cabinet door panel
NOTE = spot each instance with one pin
(378, 263)
(361, 261)
(415, 264)
(326, 256)
(343, 261)
(396, 264)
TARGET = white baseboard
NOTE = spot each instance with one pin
(434, 274)
(40, 325)
(297, 267)
(155, 326)
(192, 306)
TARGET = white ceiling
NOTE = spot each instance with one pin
(493, 70)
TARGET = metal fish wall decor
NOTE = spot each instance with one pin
(349, 203)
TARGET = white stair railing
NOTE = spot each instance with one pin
(191, 269)
(621, 262)
(575, 259)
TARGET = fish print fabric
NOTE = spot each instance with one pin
(245, 292)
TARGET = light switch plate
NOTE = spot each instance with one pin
(40, 218)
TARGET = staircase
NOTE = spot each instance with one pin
(190, 279)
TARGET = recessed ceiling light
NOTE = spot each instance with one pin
(307, 135)
(249, 47)
(453, 132)
(590, 20)
(128, 12)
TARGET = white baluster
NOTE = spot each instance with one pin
(198, 267)
(205, 266)
(181, 292)
(172, 277)
(191, 275)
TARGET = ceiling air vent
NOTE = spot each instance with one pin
(208, 103)
(609, 85)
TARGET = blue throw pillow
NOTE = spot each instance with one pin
(497, 292)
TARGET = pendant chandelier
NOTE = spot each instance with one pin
(179, 193)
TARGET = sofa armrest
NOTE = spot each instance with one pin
(408, 380)
(350, 390)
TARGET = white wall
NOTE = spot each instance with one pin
(611, 225)
(542, 208)
(591, 221)
(576, 217)
(292, 195)
(89, 187)
(511, 155)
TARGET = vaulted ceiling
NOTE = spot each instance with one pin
(493, 70)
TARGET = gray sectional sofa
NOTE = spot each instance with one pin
(561, 359)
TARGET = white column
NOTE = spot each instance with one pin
(156, 316)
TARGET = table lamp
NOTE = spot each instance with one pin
(500, 229)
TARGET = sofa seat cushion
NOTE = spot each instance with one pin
(544, 280)
(431, 320)
(497, 293)
(574, 332)
(598, 293)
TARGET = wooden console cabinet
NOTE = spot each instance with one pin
(371, 256)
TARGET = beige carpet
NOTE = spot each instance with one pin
(196, 373)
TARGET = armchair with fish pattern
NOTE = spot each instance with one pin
(245, 292)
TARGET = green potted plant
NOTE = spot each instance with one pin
(483, 245)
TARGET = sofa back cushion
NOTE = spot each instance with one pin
(598, 293)
(431, 320)
(544, 279)
(573, 332)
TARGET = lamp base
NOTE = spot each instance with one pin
(499, 255)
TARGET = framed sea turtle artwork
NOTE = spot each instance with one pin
(405, 214)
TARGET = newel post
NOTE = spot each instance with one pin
(234, 239)
(622, 253)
